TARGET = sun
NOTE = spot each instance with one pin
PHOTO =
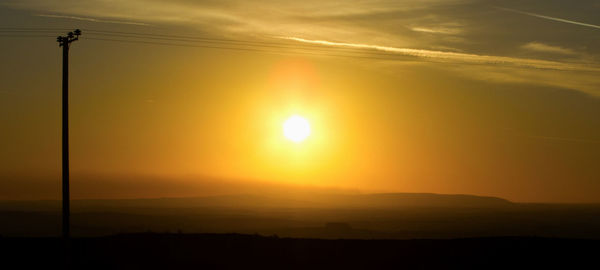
(296, 128)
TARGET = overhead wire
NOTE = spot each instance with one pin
(185, 38)
(257, 44)
(251, 49)
(202, 41)
(35, 36)
(271, 47)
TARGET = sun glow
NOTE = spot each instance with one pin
(296, 128)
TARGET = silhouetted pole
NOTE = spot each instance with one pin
(65, 42)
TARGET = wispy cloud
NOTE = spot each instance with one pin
(549, 18)
(437, 30)
(457, 57)
(434, 31)
(89, 19)
(541, 47)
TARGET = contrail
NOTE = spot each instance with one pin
(549, 18)
(454, 56)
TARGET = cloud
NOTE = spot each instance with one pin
(437, 30)
(89, 19)
(434, 25)
(459, 33)
(584, 82)
(549, 18)
(457, 57)
(541, 47)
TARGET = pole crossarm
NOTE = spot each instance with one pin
(70, 37)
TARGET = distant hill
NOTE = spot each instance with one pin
(309, 215)
(295, 200)
(401, 200)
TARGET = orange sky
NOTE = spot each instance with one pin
(452, 112)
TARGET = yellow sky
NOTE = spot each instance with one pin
(436, 97)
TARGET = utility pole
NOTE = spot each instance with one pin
(64, 42)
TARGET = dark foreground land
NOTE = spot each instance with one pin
(195, 251)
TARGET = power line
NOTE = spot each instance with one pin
(208, 40)
(27, 31)
(234, 42)
(34, 28)
(150, 35)
(197, 38)
(366, 56)
(186, 38)
(259, 45)
(318, 47)
(210, 43)
(34, 36)
(172, 44)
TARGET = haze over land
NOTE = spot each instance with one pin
(310, 214)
